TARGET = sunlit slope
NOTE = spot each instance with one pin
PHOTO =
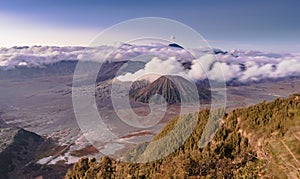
(258, 141)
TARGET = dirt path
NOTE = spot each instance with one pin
(291, 153)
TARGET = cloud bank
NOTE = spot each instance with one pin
(234, 65)
(242, 66)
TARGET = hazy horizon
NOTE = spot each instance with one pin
(267, 26)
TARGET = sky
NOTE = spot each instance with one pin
(269, 25)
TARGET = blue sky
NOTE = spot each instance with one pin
(270, 25)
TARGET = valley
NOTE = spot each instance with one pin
(42, 104)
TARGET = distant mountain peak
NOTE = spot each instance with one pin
(175, 45)
(174, 89)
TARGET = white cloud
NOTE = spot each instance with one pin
(235, 65)
(36, 55)
(201, 66)
(156, 68)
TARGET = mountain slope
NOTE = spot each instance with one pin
(174, 89)
(21, 149)
(17, 148)
(257, 141)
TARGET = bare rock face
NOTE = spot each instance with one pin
(137, 85)
(2, 123)
(17, 148)
(174, 89)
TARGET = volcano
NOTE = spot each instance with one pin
(174, 89)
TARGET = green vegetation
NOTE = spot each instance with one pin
(259, 141)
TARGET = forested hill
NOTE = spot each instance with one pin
(258, 141)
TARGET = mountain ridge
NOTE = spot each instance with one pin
(261, 140)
